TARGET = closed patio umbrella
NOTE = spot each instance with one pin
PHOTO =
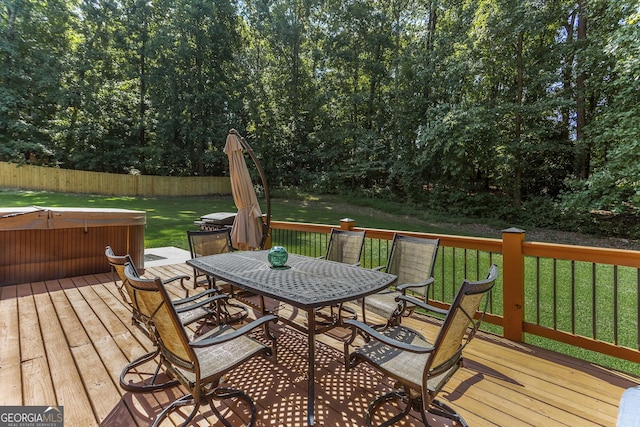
(247, 232)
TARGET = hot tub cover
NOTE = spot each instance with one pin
(41, 218)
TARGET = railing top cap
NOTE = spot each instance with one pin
(513, 230)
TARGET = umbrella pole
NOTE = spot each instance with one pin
(266, 224)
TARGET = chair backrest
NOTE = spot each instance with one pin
(118, 263)
(210, 242)
(172, 338)
(345, 246)
(412, 259)
(462, 321)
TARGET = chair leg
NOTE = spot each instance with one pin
(446, 411)
(436, 408)
(237, 317)
(394, 395)
(352, 313)
(220, 315)
(218, 393)
(323, 319)
(242, 313)
(183, 401)
(150, 386)
(230, 393)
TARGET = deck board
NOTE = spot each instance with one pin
(37, 384)
(10, 372)
(65, 342)
(68, 383)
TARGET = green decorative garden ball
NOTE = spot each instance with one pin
(278, 256)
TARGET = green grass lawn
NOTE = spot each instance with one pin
(168, 218)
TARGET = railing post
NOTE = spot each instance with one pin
(513, 283)
(347, 224)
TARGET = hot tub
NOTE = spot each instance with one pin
(39, 243)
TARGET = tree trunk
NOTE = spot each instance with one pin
(567, 73)
(143, 85)
(11, 19)
(517, 152)
(583, 154)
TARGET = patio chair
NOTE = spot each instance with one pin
(344, 246)
(419, 367)
(192, 309)
(208, 242)
(204, 308)
(213, 242)
(412, 260)
(199, 364)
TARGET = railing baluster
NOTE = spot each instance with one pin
(594, 308)
(454, 281)
(439, 295)
(573, 297)
(615, 304)
(464, 259)
(490, 292)
(555, 293)
(537, 290)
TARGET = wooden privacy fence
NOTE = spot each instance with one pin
(586, 297)
(42, 178)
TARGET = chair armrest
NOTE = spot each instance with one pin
(207, 301)
(421, 304)
(202, 294)
(380, 267)
(374, 334)
(181, 277)
(235, 334)
(405, 286)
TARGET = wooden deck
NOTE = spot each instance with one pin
(64, 342)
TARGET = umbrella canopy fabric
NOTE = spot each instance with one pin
(246, 233)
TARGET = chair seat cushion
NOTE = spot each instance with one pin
(405, 366)
(190, 316)
(219, 358)
(383, 303)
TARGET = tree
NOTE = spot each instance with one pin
(281, 54)
(191, 85)
(101, 121)
(613, 132)
(434, 102)
(33, 40)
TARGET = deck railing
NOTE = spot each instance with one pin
(582, 296)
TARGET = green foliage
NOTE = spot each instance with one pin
(494, 107)
(599, 206)
(33, 40)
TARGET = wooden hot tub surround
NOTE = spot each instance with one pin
(39, 243)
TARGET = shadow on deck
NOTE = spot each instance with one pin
(64, 342)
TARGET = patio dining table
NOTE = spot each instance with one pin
(305, 283)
